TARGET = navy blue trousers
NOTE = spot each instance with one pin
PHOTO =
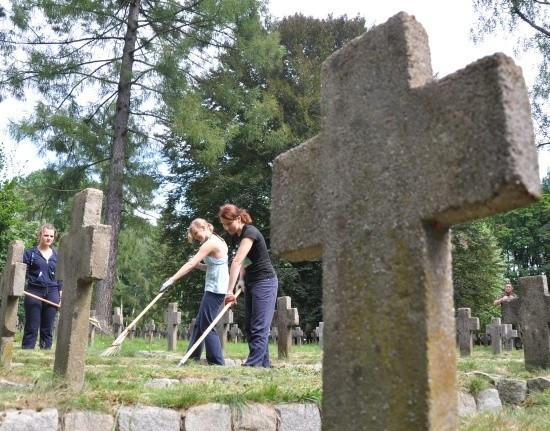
(40, 316)
(208, 311)
(259, 305)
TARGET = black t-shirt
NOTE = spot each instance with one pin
(258, 264)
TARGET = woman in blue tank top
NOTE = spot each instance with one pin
(213, 251)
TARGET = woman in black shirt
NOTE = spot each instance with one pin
(259, 277)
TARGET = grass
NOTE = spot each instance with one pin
(123, 380)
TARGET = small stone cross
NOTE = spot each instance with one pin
(402, 157)
(12, 286)
(150, 330)
(286, 318)
(508, 337)
(117, 321)
(222, 327)
(83, 254)
(465, 324)
(531, 311)
(172, 319)
(298, 335)
(235, 333)
(497, 331)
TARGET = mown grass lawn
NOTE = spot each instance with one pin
(124, 380)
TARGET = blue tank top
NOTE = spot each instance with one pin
(217, 275)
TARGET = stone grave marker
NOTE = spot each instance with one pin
(402, 157)
(465, 324)
(508, 337)
(117, 321)
(91, 328)
(83, 255)
(12, 286)
(273, 333)
(319, 333)
(150, 328)
(298, 336)
(497, 331)
(235, 333)
(286, 318)
(531, 311)
(222, 327)
(172, 319)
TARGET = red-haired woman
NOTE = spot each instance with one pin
(259, 277)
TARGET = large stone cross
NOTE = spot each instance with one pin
(401, 158)
(531, 311)
(12, 286)
(83, 254)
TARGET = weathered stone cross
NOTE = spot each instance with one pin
(497, 331)
(465, 324)
(172, 319)
(12, 285)
(83, 254)
(402, 157)
(117, 320)
(286, 318)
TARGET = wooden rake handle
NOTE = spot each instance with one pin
(207, 331)
(92, 320)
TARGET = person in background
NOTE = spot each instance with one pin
(41, 281)
(213, 251)
(507, 295)
(253, 270)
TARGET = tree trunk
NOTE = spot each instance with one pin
(113, 206)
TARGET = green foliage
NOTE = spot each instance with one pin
(524, 235)
(529, 23)
(261, 100)
(478, 268)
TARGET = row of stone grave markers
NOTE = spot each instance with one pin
(285, 317)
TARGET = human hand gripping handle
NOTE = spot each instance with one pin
(232, 298)
(166, 285)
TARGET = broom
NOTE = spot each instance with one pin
(115, 347)
(207, 331)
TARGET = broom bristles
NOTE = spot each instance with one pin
(110, 351)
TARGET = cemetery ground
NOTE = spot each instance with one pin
(125, 379)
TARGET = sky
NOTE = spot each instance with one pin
(447, 22)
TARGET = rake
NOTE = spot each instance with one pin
(207, 331)
(93, 321)
(115, 347)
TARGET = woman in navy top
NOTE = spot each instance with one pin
(252, 267)
(41, 281)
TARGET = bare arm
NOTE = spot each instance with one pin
(237, 263)
(195, 261)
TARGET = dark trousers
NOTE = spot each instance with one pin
(259, 305)
(208, 311)
(39, 315)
